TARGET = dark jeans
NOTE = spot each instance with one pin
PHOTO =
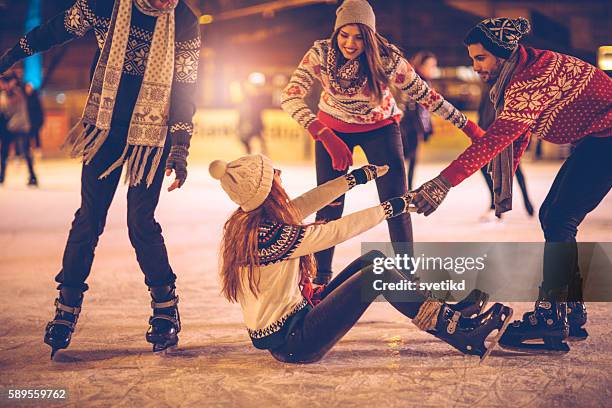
(89, 220)
(582, 182)
(381, 146)
(345, 299)
(22, 144)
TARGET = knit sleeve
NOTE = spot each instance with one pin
(184, 85)
(410, 83)
(317, 198)
(293, 96)
(318, 237)
(522, 109)
(68, 25)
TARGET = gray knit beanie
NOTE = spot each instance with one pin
(247, 180)
(355, 12)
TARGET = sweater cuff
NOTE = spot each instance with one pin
(394, 207)
(180, 133)
(455, 173)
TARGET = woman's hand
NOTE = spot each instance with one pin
(369, 172)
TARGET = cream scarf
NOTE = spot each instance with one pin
(149, 123)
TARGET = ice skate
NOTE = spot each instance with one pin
(468, 335)
(576, 319)
(473, 304)
(58, 332)
(543, 330)
(165, 324)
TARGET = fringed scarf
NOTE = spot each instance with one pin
(149, 123)
(501, 167)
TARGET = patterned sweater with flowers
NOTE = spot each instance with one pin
(552, 96)
(86, 15)
(279, 304)
(345, 104)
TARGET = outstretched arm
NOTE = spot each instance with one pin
(66, 26)
(317, 198)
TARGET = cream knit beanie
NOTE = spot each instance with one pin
(355, 11)
(247, 180)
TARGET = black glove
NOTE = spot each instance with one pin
(177, 161)
(431, 194)
(367, 173)
(397, 205)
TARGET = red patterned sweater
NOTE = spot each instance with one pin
(552, 96)
(348, 107)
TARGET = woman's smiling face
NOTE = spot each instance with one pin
(350, 41)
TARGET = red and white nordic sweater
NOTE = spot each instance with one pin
(552, 96)
(349, 108)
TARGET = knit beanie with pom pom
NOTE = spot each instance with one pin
(247, 180)
(499, 36)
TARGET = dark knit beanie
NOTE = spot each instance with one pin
(500, 36)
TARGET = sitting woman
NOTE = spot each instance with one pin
(267, 265)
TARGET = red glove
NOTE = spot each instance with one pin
(339, 152)
(472, 130)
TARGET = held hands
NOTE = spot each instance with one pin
(177, 161)
(399, 205)
(430, 195)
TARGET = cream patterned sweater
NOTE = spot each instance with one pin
(279, 303)
(345, 97)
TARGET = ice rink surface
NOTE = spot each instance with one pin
(383, 362)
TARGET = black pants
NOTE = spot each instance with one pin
(88, 224)
(582, 182)
(22, 144)
(381, 146)
(345, 300)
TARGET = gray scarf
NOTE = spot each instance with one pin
(501, 167)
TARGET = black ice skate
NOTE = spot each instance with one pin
(473, 304)
(165, 324)
(468, 335)
(576, 311)
(58, 332)
(576, 319)
(543, 330)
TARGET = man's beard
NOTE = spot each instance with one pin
(494, 74)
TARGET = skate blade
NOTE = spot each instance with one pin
(163, 349)
(536, 348)
(495, 340)
(575, 339)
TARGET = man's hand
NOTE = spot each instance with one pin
(177, 161)
(431, 194)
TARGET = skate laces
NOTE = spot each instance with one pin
(427, 316)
